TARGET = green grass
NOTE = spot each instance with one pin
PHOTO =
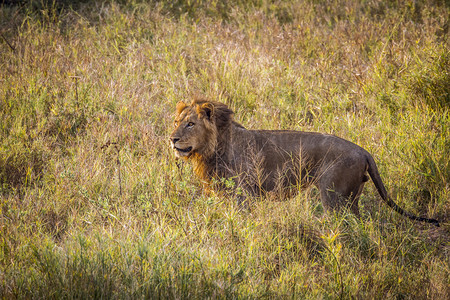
(94, 205)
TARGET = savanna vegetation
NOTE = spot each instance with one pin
(93, 203)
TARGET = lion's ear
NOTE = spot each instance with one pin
(206, 110)
(180, 107)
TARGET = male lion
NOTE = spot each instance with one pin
(261, 161)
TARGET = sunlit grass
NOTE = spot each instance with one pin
(94, 204)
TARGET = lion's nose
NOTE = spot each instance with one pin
(174, 140)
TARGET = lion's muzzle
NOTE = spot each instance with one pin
(180, 151)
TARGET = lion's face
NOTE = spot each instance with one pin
(193, 130)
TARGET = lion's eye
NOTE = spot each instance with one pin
(190, 125)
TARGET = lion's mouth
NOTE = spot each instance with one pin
(185, 150)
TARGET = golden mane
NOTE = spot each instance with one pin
(218, 124)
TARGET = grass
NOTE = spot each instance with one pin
(94, 205)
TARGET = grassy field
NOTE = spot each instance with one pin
(93, 203)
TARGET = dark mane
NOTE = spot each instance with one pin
(222, 114)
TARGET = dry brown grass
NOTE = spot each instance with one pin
(74, 80)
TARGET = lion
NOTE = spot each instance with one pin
(274, 161)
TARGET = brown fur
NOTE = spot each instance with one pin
(276, 161)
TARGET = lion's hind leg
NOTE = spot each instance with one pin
(354, 199)
(331, 200)
(337, 194)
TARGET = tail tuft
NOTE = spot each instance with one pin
(434, 222)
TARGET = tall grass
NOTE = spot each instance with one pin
(93, 203)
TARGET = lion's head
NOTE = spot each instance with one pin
(197, 127)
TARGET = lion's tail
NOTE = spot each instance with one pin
(373, 172)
